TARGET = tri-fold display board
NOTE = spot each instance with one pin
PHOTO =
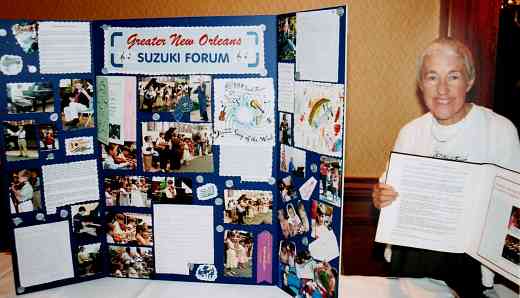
(194, 149)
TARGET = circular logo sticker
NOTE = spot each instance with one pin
(156, 116)
(17, 221)
(54, 117)
(40, 217)
(229, 183)
(64, 213)
(32, 68)
(199, 179)
(314, 168)
(218, 201)
(272, 181)
(305, 241)
(220, 228)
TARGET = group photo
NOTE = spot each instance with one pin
(177, 147)
(128, 191)
(129, 228)
(134, 262)
(162, 93)
(248, 207)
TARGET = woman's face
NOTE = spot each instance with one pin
(444, 85)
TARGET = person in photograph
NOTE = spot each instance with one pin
(453, 128)
(241, 208)
(84, 260)
(324, 172)
(20, 134)
(287, 252)
(294, 220)
(22, 192)
(284, 130)
(231, 245)
(115, 160)
(200, 91)
(326, 279)
(142, 236)
(514, 220)
(284, 223)
(48, 140)
(170, 192)
(303, 216)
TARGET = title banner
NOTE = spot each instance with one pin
(184, 50)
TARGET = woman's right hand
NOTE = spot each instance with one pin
(383, 195)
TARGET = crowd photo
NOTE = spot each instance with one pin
(77, 103)
(177, 147)
(129, 228)
(86, 221)
(133, 262)
(172, 190)
(119, 157)
(248, 207)
(163, 93)
(238, 256)
(24, 191)
(128, 191)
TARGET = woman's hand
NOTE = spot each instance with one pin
(383, 195)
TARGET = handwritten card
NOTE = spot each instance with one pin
(244, 112)
(238, 161)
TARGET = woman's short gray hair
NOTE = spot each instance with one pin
(456, 46)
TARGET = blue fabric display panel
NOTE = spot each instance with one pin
(204, 149)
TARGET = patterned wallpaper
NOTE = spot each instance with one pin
(384, 39)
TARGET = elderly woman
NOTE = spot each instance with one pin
(456, 129)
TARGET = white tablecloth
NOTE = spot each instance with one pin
(351, 287)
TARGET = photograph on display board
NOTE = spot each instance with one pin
(293, 220)
(29, 97)
(79, 146)
(86, 221)
(200, 92)
(163, 93)
(24, 190)
(20, 140)
(177, 147)
(77, 103)
(287, 38)
(90, 260)
(248, 207)
(330, 180)
(287, 190)
(172, 190)
(286, 129)
(133, 262)
(129, 228)
(128, 191)
(26, 35)
(308, 277)
(119, 157)
(48, 137)
(325, 247)
(292, 160)
(511, 250)
(238, 256)
(318, 117)
(287, 252)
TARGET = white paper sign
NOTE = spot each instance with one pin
(185, 50)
